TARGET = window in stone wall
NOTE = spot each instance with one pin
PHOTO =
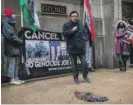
(127, 10)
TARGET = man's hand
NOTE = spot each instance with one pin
(75, 28)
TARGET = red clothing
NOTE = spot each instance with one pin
(8, 12)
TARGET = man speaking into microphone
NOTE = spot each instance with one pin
(76, 37)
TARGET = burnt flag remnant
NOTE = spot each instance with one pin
(89, 97)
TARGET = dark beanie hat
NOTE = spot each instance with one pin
(8, 12)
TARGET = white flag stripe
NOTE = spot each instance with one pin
(36, 17)
(58, 50)
(52, 53)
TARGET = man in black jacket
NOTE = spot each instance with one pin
(75, 35)
(12, 46)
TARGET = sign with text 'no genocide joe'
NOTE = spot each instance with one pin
(46, 50)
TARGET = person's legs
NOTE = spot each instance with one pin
(17, 61)
(124, 59)
(12, 70)
(82, 57)
(11, 67)
(125, 65)
(73, 58)
(120, 61)
(16, 67)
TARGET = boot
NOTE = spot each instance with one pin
(120, 67)
(125, 66)
(76, 80)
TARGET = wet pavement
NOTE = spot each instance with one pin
(116, 85)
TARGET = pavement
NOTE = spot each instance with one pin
(116, 85)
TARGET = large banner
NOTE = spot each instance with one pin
(45, 50)
(44, 53)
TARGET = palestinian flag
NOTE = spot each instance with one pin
(30, 14)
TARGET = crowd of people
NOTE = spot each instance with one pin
(79, 44)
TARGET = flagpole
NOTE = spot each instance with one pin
(22, 24)
(84, 13)
(22, 56)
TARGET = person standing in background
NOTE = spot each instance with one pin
(122, 44)
(12, 45)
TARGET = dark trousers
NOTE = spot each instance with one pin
(83, 64)
(122, 60)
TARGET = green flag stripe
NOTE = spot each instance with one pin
(26, 14)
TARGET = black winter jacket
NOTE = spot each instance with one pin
(12, 43)
(76, 41)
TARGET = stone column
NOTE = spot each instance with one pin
(98, 45)
(112, 13)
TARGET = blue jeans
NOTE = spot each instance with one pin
(12, 64)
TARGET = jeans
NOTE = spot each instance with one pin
(13, 66)
(83, 64)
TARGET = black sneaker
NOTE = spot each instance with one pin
(87, 80)
(76, 80)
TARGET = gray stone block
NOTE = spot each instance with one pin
(70, 6)
(117, 2)
(52, 24)
(108, 26)
(98, 26)
(108, 10)
(108, 44)
(68, 1)
(14, 4)
(2, 6)
(107, 1)
(96, 2)
(18, 22)
(117, 11)
(108, 51)
(98, 50)
(96, 11)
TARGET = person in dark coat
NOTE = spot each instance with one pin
(75, 35)
(12, 46)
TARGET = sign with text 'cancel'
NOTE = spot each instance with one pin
(53, 9)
